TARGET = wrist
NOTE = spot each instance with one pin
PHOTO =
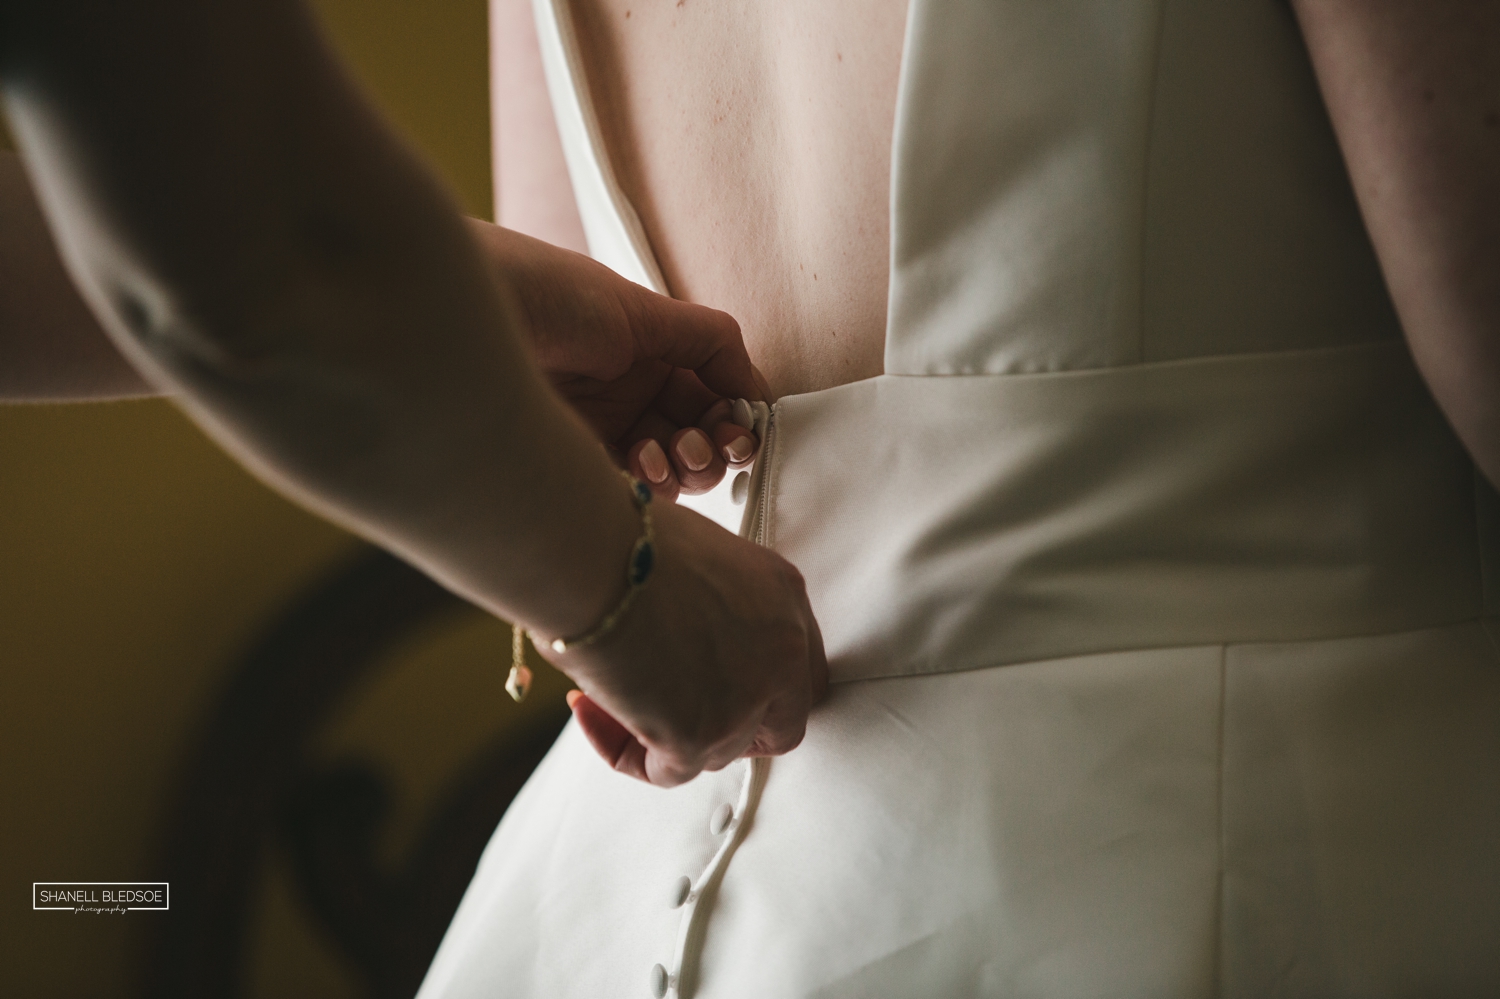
(603, 553)
(638, 566)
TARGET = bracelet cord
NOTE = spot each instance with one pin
(637, 570)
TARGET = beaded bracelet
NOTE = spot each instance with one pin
(637, 571)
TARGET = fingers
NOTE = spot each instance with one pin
(611, 740)
(782, 727)
(785, 721)
(623, 751)
(689, 458)
(648, 462)
(727, 423)
(698, 459)
(736, 444)
(698, 338)
(689, 463)
(686, 401)
(699, 464)
(784, 724)
(765, 386)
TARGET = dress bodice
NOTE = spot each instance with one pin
(1097, 183)
(1143, 383)
(1081, 184)
(1150, 445)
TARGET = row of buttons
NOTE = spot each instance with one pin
(682, 891)
(728, 821)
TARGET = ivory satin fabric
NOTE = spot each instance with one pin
(1158, 595)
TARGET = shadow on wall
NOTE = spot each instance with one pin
(283, 771)
(313, 782)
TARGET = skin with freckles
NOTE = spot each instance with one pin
(764, 186)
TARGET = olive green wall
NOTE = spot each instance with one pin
(135, 562)
(425, 62)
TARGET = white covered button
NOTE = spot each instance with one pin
(658, 981)
(739, 490)
(723, 815)
(680, 891)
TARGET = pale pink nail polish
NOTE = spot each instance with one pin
(695, 451)
(739, 449)
(654, 462)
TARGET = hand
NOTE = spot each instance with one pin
(653, 377)
(719, 657)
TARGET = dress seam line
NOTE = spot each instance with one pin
(1147, 145)
(1218, 962)
(1287, 354)
(1481, 619)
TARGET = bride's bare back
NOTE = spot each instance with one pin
(754, 141)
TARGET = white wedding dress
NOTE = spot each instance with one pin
(1157, 594)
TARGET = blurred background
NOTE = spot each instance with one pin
(200, 683)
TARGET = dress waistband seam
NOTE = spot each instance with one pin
(1394, 345)
(1479, 621)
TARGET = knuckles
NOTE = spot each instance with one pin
(777, 742)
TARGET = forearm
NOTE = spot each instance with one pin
(255, 238)
(1413, 87)
(51, 346)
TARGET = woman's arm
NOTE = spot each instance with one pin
(51, 346)
(255, 240)
(252, 237)
(1413, 87)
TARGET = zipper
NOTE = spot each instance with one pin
(760, 477)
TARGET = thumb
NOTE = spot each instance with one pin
(703, 340)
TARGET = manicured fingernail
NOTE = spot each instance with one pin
(654, 462)
(742, 414)
(695, 451)
(572, 698)
(739, 449)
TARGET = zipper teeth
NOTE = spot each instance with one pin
(767, 455)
